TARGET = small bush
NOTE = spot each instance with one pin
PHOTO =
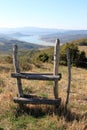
(43, 57)
(1, 128)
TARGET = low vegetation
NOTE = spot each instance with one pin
(78, 55)
(78, 58)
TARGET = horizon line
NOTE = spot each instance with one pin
(54, 28)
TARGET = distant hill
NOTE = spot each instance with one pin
(80, 42)
(66, 36)
(10, 36)
(6, 44)
(45, 34)
(29, 30)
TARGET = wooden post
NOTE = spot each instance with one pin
(69, 76)
(17, 70)
(56, 65)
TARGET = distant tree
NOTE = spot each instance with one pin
(74, 53)
(77, 58)
(82, 60)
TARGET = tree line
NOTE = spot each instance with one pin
(78, 58)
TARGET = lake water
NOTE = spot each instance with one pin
(35, 39)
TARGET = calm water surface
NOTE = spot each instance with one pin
(35, 39)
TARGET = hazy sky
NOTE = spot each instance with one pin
(61, 14)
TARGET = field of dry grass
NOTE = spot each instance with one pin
(44, 117)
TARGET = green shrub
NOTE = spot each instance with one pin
(82, 60)
(77, 58)
(43, 57)
(82, 56)
(1, 128)
(74, 53)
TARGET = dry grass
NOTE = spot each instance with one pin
(12, 117)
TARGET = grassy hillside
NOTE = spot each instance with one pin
(44, 117)
(80, 42)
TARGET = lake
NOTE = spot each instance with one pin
(34, 39)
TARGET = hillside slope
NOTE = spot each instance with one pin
(66, 36)
(43, 117)
(6, 44)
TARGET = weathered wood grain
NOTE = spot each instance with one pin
(17, 69)
(22, 100)
(33, 76)
(69, 76)
(56, 66)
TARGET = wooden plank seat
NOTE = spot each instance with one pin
(23, 100)
(34, 76)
